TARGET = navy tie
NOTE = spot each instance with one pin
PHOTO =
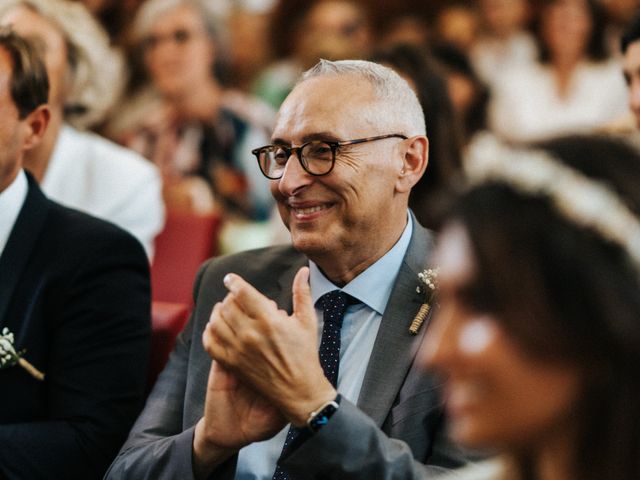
(333, 305)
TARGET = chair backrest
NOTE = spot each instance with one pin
(167, 321)
(186, 241)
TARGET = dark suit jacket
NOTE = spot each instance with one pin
(402, 401)
(74, 290)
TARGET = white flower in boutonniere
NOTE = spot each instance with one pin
(9, 357)
(429, 279)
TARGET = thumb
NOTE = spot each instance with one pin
(302, 303)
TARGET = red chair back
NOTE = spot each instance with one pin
(167, 321)
(186, 241)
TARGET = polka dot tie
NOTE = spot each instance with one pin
(333, 305)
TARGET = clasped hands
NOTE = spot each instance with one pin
(265, 370)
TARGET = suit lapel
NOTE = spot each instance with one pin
(395, 348)
(283, 296)
(24, 235)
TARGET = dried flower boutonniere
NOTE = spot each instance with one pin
(429, 278)
(9, 357)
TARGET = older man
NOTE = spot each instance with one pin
(74, 306)
(348, 146)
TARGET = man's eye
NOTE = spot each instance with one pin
(280, 156)
(319, 150)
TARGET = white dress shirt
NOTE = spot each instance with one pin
(11, 200)
(359, 330)
(92, 174)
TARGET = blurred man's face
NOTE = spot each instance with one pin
(631, 67)
(12, 129)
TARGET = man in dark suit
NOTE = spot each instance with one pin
(348, 146)
(74, 306)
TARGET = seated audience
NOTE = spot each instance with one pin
(536, 335)
(74, 306)
(504, 41)
(329, 29)
(574, 87)
(456, 23)
(74, 167)
(197, 132)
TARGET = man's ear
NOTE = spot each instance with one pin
(36, 123)
(416, 158)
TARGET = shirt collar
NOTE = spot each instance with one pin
(11, 200)
(373, 286)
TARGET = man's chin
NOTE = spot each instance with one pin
(309, 244)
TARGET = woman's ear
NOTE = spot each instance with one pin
(414, 163)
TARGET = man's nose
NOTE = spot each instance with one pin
(294, 177)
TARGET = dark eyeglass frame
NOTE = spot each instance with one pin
(332, 145)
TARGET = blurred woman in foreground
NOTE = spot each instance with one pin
(539, 320)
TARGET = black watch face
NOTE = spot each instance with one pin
(322, 418)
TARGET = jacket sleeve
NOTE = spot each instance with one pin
(352, 447)
(158, 447)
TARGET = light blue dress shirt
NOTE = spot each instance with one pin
(359, 330)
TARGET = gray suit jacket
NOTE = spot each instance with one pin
(399, 398)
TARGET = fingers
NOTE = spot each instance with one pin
(218, 338)
(302, 303)
(250, 300)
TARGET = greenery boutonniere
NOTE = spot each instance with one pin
(9, 357)
(428, 279)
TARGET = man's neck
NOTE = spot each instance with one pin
(343, 268)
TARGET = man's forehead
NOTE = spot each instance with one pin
(324, 104)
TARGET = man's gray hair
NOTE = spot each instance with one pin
(95, 76)
(397, 105)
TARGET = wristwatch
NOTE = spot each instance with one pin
(320, 417)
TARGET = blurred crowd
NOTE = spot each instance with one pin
(192, 86)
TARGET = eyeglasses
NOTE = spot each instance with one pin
(317, 157)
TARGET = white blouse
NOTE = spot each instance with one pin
(526, 105)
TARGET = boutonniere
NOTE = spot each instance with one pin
(428, 283)
(9, 357)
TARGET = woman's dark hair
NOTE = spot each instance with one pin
(457, 62)
(567, 294)
(630, 34)
(29, 83)
(443, 129)
(596, 47)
